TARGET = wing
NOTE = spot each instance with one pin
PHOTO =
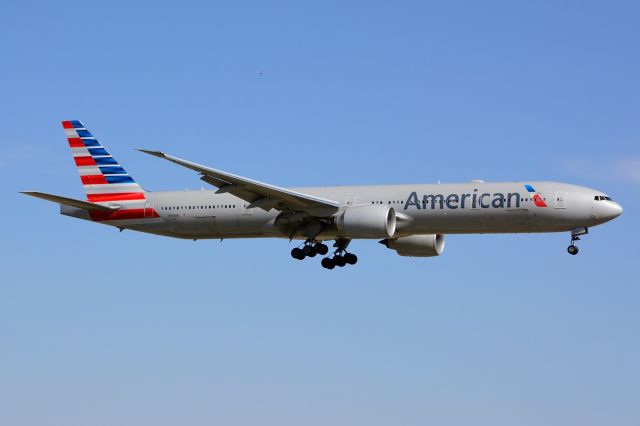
(257, 194)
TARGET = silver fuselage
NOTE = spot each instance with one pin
(463, 208)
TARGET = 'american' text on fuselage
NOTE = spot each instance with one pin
(477, 200)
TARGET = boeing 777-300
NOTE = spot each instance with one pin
(410, 219)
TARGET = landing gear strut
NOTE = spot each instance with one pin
(575, 236)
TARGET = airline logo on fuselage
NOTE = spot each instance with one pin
(538, 200)
(474, 200)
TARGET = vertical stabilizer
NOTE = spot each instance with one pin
(103, 179)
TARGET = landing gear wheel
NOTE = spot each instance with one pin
(309, 251)
(297, 253)
(328, 263)
(339, 260)
(350, 258)
(576, 233)
(321, 249)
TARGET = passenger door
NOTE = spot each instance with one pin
(561, 200)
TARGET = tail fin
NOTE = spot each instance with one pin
(102, 177)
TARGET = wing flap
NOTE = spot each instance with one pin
(86, 205)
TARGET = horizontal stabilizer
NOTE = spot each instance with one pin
(70, 201)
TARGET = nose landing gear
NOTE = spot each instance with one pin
(575, 236)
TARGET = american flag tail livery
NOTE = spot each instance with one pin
(103, 179)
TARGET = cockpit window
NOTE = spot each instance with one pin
(602, 198)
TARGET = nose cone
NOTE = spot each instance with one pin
(616, 210)
(610, 210)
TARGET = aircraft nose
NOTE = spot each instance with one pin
(616, 210)
(612, 210)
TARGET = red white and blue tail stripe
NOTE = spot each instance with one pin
(103, 179)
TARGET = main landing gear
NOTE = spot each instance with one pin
(310, 249)
(340, 256)
(575, 236)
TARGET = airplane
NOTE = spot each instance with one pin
(412, 220)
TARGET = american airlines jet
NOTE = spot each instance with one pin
(410, 219)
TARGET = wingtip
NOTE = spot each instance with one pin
(150, 152)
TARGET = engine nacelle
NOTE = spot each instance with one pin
(417, 245)
(368, 221)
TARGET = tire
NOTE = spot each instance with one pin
(328, 263)
(339, 261)
(321, 249)
(351, 258)
(309, 251)
(573, 250)
(297, 253)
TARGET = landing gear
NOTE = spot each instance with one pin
(310, 249)
(340, 257)
(339, 260)
(328, 263)
(575, 236)
(321, 249)
(297, 253)
(350, 258)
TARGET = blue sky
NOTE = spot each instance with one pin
(100, 327)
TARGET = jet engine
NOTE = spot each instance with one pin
(367, 221)
(416, 245)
